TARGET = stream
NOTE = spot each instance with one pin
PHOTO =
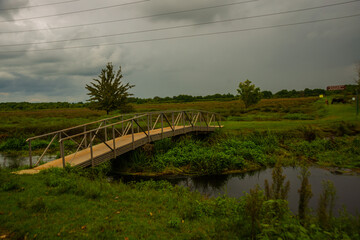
(236, 185)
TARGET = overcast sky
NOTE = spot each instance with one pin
(312, 55)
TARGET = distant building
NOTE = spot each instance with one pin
(336, 88)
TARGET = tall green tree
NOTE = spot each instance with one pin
(357, 79)
(107, 92)
(249, 93)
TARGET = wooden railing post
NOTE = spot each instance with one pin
(183, 118)
(62, 152)
(132, 133)
(162, 125)
(151, 121)
(91, 151)
(138, 128)
(114, 147)
(172, 123)
(85, 137)
(207, 121)
(122, 125)
(105, 131)
(30, 154)
(192, 120)
(148, 126)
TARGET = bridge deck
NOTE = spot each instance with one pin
(102, 153)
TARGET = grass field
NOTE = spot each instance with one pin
(72, 204)
(268, 115)
(83, 204)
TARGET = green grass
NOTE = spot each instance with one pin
(224, 153)
(70, 204)
(327, 117)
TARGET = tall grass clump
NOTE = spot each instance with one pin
(326, 204)
(305, 194)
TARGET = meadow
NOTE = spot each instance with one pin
(84, 204)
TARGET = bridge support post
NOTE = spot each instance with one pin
(207, 121)
(148, 127)
(30, 154)
(138, 128)
(85, 137)
(105, 131)
(162, 126)
(183, 118)
(172, 123)
(91, 151)
(132, 134)
(114, 147)
(62, 153)
(122, 125)
(192, 120)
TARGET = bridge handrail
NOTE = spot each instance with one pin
(99, 128)
(106, 119)
(181, 116)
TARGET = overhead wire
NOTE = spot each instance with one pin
(186, 36)
(74, 12)
(132, 18)
(39, 5)
(182, 26)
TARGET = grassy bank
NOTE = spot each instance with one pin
(222, 153)
(268, 114)
(69, 204)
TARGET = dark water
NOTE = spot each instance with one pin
(8, 160)
(236, 185)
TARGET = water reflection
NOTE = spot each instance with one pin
(236, 185)
(15, 161)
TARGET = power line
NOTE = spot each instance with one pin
(39, 5)
(185, 36)
(80, 11)
(181, 26)
(132, 18)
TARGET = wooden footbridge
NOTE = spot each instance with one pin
(93, 143)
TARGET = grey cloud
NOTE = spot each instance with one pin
(8, 14)
(160, 6)
(312, 55)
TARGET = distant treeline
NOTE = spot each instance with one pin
(6, 106)
(350, 90)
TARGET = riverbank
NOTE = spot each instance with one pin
(222, 153)
(82, 204)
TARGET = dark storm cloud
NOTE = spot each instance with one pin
(25, 84)
(311, 55)
(12, 5)
(159, 6)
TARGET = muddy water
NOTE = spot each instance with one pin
(8, 160)
(236, 185)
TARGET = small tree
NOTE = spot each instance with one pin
(357, 79)
(249, 93)
(108, 92)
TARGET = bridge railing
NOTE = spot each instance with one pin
(87, 135)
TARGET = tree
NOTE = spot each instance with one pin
(108, 92)
(357, 80)
(266, 94)
(249, 93)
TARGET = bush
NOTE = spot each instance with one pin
(298, 116)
